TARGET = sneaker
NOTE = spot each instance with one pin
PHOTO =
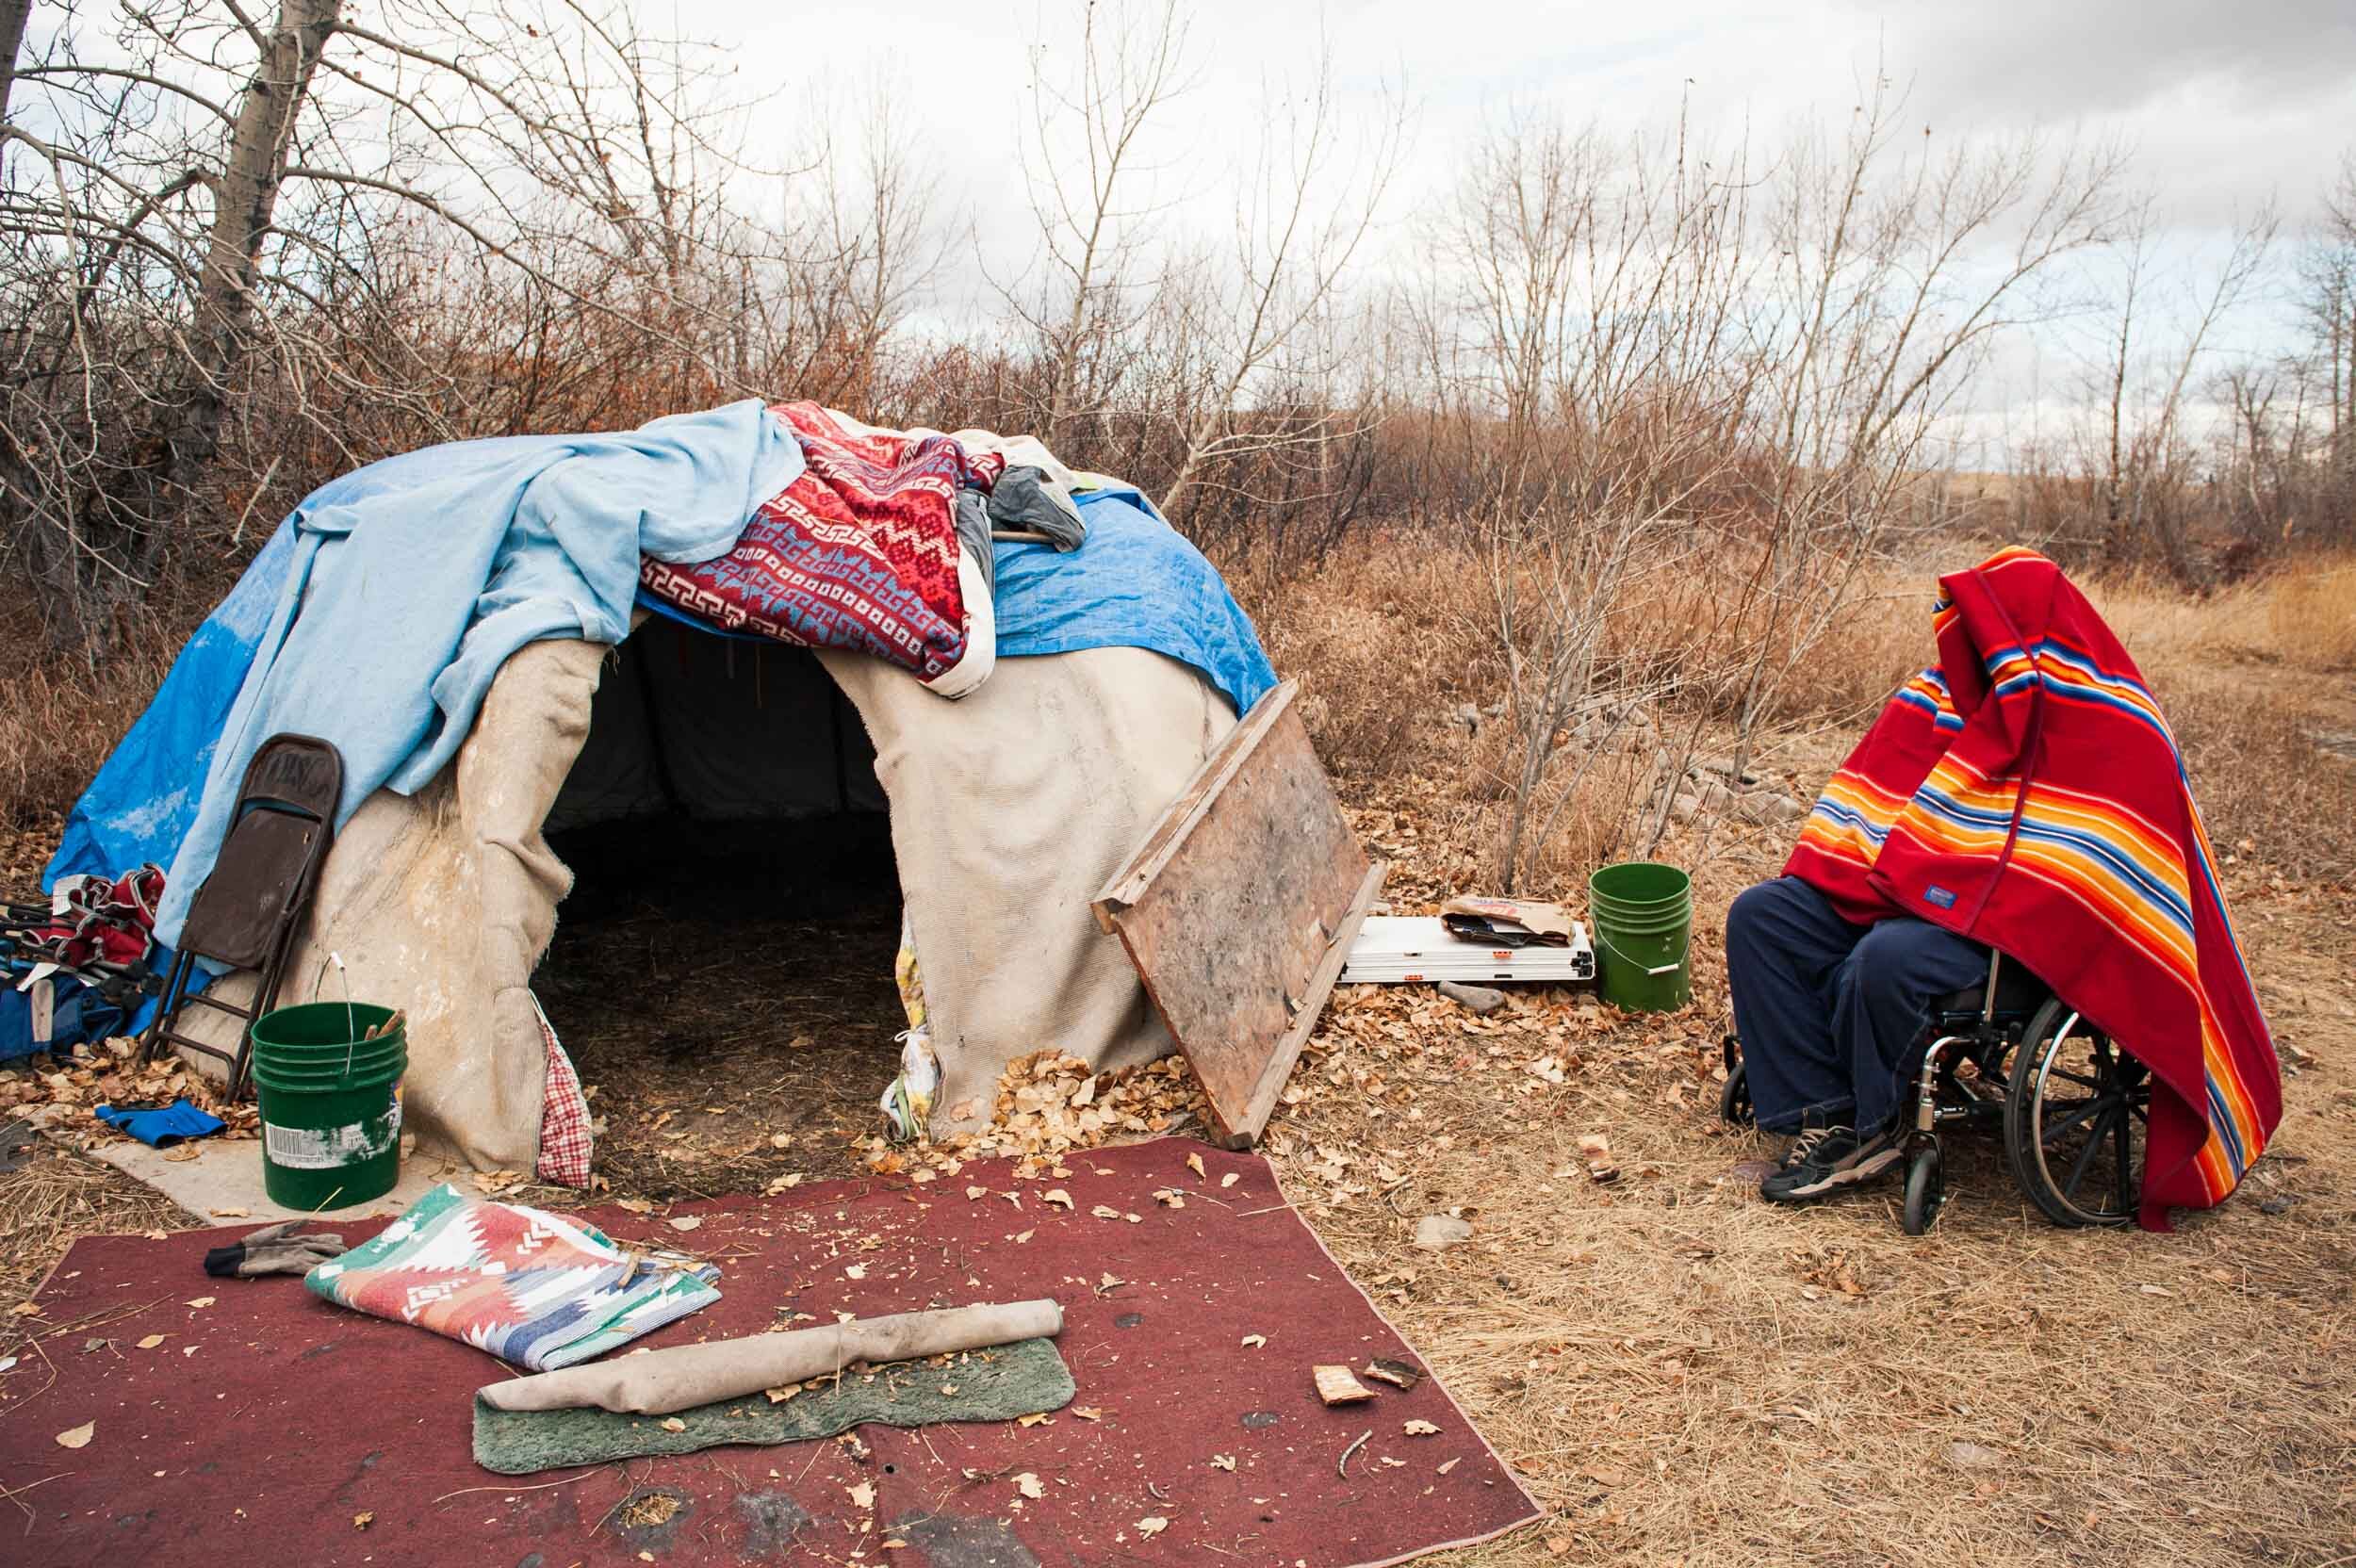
(1823, 1160)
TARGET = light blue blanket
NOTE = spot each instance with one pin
(415, 578)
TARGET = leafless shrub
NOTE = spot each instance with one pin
(1659, 414)
(237, 254)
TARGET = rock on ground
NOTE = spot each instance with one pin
(1437, 1232)
(1480, 999)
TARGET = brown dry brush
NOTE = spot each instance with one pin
(1632, 445)
(241, 254)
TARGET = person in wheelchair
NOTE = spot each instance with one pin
(2025, 794)
(1830, 1015)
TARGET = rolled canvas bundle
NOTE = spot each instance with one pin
(658, 1382)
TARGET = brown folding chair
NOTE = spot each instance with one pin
(246, 913)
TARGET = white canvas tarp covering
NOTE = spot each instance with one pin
(1008, 810)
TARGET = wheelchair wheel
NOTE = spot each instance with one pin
(1734, 1097)
(2076, 1116)
(1926, 1189)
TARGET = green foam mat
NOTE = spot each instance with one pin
(996, 1384)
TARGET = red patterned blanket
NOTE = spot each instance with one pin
(2026, 792)
(859, 554)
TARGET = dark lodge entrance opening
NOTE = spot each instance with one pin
(721, 972)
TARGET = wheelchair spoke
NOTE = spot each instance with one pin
(2074, 1109)
(2086, 1158)
(2080, 1112)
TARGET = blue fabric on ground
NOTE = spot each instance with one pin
(1133, 582)
(160, 1127)
(416, 579)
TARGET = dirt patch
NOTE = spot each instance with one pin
(732, 1012)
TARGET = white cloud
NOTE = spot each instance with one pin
(2222, 105)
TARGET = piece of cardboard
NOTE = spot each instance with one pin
(1509, 922)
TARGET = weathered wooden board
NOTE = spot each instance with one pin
(1239, 907)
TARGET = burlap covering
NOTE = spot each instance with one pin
(1009, 809)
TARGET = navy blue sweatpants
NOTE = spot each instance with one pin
(1831, 1014)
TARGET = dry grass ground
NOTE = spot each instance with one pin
(1683, 1374)
(1687, 1374)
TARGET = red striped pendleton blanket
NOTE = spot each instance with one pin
(2026, 792)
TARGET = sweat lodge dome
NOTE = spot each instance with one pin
(1114, 670)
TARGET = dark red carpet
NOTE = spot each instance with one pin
(274, 1427)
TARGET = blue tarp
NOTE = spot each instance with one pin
(394, 683)
(76, 1014)
(415, 578)
(1131, 584)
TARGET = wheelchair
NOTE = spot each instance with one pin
(2071, 1108)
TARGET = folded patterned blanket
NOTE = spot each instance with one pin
(859, 554)
(534, 1289)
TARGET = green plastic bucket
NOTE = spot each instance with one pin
(341, 1060)
(1644, 914)
(330, 1101)
(331, 1080)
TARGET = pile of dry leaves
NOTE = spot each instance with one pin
(59, 1094)
(1048, 1103)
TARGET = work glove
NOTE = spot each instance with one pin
(161, 1126)
(272, 1249)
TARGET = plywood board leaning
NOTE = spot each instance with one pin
(1239, 907)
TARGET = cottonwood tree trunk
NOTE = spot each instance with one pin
(13, 14)
(245, 194)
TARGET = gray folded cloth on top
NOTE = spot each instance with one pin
(973, 535)
(1030, 499)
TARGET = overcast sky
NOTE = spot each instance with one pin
(2226, 104)
(2225, 101)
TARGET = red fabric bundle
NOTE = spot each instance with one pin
(92, 919)
(859, 554)
(2026, 792)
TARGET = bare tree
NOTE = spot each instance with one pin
(2328, 277)
(1676, 359)
(1897, 269)
(1088, 165)
(2133, 246)
(1584, 342)
(2144, 439)
(13, 16)
(421, 213)
(1304, 215)
(1510, 239)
